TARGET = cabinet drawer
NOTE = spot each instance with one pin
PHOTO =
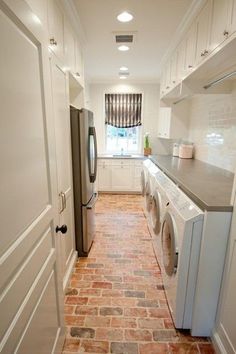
(138, 163)
(103, 163)
(122, 163)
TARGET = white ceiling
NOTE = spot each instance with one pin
(155, 21)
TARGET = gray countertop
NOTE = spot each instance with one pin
(132, 156)
(208, 186)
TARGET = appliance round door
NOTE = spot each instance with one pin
(148, 196)
(169, 245)
(143, 183)
(156, 213)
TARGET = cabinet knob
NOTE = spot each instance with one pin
(167, 87)
(173, 81)
(62, 229)
(202, 54)
(53, 41)
(77, 74)
(205, 51)
(226, 33)
(190, 66)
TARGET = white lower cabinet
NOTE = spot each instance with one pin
(119, 175)
(224, 335)
(104, 175)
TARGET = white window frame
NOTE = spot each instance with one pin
(139, 151)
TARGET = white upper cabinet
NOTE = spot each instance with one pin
(173, 69)
(164, 123)
(232, 17)
(39, 8)
(202, 25)
(180, 61)
(70, 48)
(79, 69)
(219, 24)
(190, 49)
(56, 28)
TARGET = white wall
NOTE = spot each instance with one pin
(212, 128)
(151, 103)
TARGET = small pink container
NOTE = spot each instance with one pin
(186, 151)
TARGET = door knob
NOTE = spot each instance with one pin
(62, 229)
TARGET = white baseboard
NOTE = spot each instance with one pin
(217, 343)
(69, 270)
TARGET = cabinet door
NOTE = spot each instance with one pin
(70, 48)
(122, 177)
(79, 62)
(39, 8)
(202, 25)
(226, 318)
(181, 61)
(56, 28)
(104, 177)
(173, 69)
(219, 23)
(167, 77)
(164, 122)
(232, 15)
(137, 178)
(190, 48)
(63, 154)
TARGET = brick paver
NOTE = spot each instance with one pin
(116, 302)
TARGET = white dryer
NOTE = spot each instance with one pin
(148, 182)
(180, 242)
(158, 209)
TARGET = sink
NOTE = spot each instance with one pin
(121, 155)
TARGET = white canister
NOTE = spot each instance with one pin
(186, 151)
(176, 150)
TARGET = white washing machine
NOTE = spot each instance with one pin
(180, 243)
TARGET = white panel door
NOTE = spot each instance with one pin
(64, 172)
(28, 244)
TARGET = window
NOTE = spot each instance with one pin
(123, 122)
(122, 140)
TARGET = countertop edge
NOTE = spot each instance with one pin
(121, 157)
(200, 203)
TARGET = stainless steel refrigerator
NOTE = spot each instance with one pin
(84, 163)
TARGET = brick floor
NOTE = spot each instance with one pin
(116, 302)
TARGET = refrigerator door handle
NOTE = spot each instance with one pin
(93, 201)
(92, 154)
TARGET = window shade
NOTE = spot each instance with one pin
(123, 110)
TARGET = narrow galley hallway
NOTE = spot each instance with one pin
(116, 302)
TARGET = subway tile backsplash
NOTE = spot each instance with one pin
(212, 128)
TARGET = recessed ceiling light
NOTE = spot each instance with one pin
(124, 68)
(123, 48)
(125, 17)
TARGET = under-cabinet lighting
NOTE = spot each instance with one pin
(124, 68)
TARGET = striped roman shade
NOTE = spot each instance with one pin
(123, 110)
